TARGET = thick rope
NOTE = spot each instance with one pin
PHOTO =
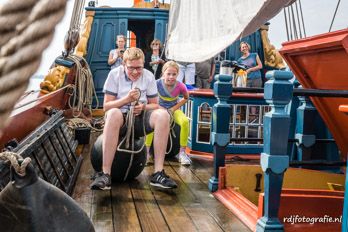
(21, 55)
(74, 123)
(12, 14)
(171, 131)
(83, 96)
(20, 168)
(130, 119)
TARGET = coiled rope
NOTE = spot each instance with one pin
(84, 92)
(17, 162)
(22, 47)
(73, 123)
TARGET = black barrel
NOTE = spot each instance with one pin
(125, 166)
(31, 204)
(173, 145)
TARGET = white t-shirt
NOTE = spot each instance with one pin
(118, 84)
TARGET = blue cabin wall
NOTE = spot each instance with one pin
(147, 24)
(233, 51)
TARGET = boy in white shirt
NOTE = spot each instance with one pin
(121, 89)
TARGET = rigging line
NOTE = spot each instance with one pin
(298, 20)
(294, 22)
(73, 15)
(290, 25)
(286, 24)
(77, 26)
(82, 10)
(333, 19)
(302, 20)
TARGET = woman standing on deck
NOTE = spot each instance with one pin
(116, 55)
(169, 90)
(154, 61)
(253, 63)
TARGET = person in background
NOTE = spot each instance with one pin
(253, 63)
(126, 84)
(169, 90)
(116, 55)
(154, 61)
(205, 71)
(187, 73)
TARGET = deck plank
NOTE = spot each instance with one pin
(101, 212)
(192, 204)
(82, 193)
(123, 207)
(174, 213)
(149, 213)
(137, 206)
(198, 184)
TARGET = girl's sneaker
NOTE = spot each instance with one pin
(184, 159)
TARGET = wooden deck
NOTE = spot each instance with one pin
(137, 206)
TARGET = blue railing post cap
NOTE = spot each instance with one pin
(276, 163)
(279, 75)
(223, 78)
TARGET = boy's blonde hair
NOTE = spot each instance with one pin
(170, 64)
(133, 54)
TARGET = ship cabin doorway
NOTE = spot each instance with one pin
(141, 33)
(140, 26)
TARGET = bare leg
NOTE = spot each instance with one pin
(113, 123)
(159, 120)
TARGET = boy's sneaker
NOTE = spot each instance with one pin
(162, 180)
(102, 181)
(184, 159)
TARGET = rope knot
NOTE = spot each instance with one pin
(17, 162)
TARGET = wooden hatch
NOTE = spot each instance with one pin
(321, 62)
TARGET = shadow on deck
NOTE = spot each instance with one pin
(137, 206)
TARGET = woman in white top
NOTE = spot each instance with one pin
(116, 55)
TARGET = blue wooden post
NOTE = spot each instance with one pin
(220, 136)
(274, 159)
(345, 205)
(306, 113)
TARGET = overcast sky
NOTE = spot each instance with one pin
(317, 16)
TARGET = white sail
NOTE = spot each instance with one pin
(200, 29)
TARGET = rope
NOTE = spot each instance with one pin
(20, 53)
(39, 98)
(73, 123)
(130, 119)
(83, 96)
(13, 13)
(19, 167)
(302, 20)
(334, 16)
(172, 132)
